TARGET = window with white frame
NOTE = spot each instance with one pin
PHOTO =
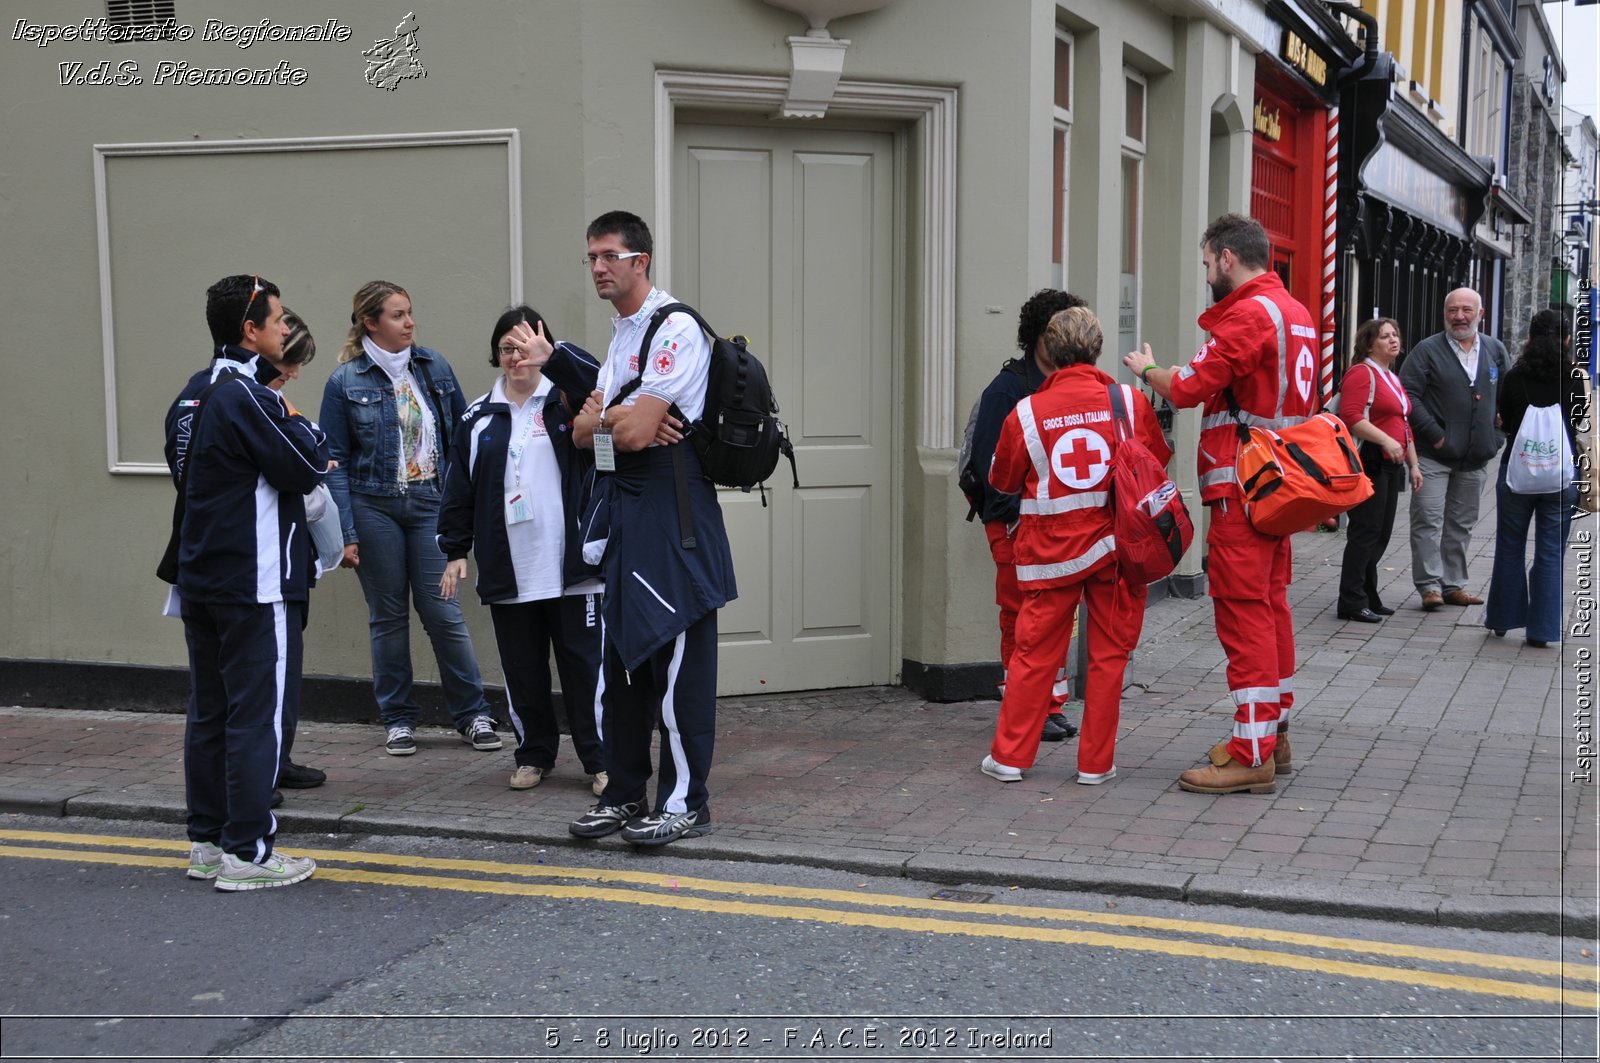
(1060, 154)
(1135, 89)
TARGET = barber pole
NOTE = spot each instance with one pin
(1330, 217)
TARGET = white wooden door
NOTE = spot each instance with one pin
(783, 235)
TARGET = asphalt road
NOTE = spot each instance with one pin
(415, 948)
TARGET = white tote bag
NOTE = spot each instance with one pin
(1541, 454)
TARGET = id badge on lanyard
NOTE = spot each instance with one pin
(517, 508)
(605, 455)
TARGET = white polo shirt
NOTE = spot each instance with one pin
(675, 367)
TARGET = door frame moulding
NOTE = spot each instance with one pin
(933, 110)
(510, 138)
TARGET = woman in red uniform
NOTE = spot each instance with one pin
(1055, 449)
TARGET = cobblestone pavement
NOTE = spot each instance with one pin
(1433, 777)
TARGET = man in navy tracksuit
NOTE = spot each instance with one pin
(243, 463)
(667, 569)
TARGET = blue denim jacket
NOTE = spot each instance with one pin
(363, 427)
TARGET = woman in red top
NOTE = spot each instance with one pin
(1373, 402)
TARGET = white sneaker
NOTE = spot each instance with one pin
(1004, 772)
(598, 782)
(1086, 779)
(526, 777)
(205, 860)
(276, 870)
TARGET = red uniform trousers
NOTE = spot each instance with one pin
(1249, 576)
(1044, 626)
(1008, 596)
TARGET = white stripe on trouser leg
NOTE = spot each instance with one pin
(600, 688)
(1251, 695)
(280, 671)
(669, 715)
(1253, 730)
(516, 715)
(1285, 687)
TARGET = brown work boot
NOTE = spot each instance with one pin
(1461, 597)
(1282, 762)
(1224, 775)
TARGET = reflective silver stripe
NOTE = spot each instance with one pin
(1224, 475)
(1250, 695)
(1185, 373)
(1252, 730)
(1035, 445)
(1065, 504)
(1030, 573)
(1286, 685)
(1226, 420)
(1283, 350)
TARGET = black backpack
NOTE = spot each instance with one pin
(969, 477)
(738, 437)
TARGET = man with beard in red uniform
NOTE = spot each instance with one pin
(1262, 351)
(1056, 448)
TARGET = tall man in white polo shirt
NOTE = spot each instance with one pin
(667, 564)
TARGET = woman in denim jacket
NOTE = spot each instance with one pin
(389, 410)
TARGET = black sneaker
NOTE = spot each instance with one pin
(659, 828)
(399, 741)
(294, 776)
(480, 734)
(1057, 729)
(603, 819)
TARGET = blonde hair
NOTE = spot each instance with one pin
(367, 302)
(1073, 337)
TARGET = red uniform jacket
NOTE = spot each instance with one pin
(1055, 448)
(1270, 361)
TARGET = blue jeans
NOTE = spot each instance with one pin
(1520, 596)
(399, 553)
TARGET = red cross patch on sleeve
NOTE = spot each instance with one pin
(663, 362)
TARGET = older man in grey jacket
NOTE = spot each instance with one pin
(1452, 378)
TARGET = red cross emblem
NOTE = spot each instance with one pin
(1081, 458)
(663, 362)
(1305, 371)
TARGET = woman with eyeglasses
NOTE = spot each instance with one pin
(388, 410)
(514, 501)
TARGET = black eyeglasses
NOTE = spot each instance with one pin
(255, 279)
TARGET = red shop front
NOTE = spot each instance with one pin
(1289, 182)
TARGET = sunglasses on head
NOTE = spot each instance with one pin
(256, 290)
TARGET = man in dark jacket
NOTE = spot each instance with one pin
(1018, 378)
(244, 464)
(1452, 377)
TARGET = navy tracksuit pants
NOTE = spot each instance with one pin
(244, 669)
(673, 692)
(525, 633)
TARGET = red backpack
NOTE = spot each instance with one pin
(1148, 517)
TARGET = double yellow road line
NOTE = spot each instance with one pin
(1540, 981)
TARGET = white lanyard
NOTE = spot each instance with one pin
(518, 443)
(1392, 382)
(646, 312)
